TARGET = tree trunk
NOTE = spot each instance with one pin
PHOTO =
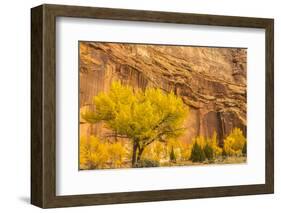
(139, 154)
(134, 156)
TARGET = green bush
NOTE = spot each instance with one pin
(197, 153)
(148, 163)
(209, 152)
(172, 155)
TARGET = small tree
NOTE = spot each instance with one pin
(172, 155)
(217, 151)
(197, 153)
(143, 117)
(209, 152)
(234, 143)
(185, 151)
(93, 153)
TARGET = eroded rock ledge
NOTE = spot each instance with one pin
(211, 81)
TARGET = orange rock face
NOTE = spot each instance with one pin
(211, 81)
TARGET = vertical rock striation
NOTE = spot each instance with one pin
(211, 81)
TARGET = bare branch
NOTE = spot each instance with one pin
(160, 135)
(115, 135)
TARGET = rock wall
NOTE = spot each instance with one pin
(211, 81)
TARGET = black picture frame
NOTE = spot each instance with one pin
(43, 105)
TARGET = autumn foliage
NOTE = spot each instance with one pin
(143, 117)
(235, 143)
(144, 129)
(204, 148)
(95, 154)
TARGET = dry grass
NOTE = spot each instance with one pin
(220, 160)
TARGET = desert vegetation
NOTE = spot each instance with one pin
(144, 129)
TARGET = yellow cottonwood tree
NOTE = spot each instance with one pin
(234, 143)
(141, 116)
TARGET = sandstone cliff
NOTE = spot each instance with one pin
(211, 81)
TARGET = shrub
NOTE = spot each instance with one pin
(172, 155)
(155, 151)
(234, 143)
(116, 153)
(96, 154)
(148, 163)
(197, 153)
(205, 148)
(200, 140)
(185, 151)
(173, 149)
(209, 152)
(93, 153)
(217, 151)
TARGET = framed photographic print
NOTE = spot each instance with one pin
(136, 106)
